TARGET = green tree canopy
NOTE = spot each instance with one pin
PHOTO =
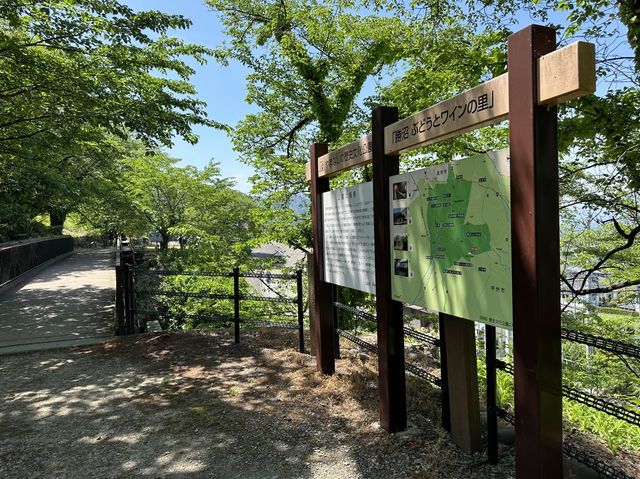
(301, 55)
(76, 74)
(308, 63)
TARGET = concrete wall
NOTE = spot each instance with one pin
(19, 257)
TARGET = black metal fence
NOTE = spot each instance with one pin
(492, 363)
(129, 320)
(17, 258)
(438, 343)
(618, 411)
(134, 292)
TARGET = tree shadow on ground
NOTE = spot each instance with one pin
(197, 405)
(71, 299)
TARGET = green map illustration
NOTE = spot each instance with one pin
(451, 233)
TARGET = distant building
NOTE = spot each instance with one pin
(283, 258)
(595, 280)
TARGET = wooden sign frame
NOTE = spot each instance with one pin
(539, 77)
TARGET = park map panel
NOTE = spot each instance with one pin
(451, 237)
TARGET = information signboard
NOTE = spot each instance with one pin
(451, 231)
(347, 215)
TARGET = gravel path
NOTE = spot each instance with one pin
(196, 405)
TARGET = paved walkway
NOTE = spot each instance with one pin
(67, 304)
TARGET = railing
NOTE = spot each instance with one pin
(18, 257)
(131, 295)
(124, 322)
(616, 410)
(413, 369)
(493, 411)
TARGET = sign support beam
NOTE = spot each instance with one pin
(322, 291)
(391, 372)
(462, 382)
(536, 260)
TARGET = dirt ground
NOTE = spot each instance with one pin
(197, 405)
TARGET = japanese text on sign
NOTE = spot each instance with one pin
(349, 156)
(347, 215)
(483, 105)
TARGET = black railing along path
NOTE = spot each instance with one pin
(128, 294)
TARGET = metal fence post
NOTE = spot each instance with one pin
(132, 291)
(336, 321)
(492, 419)
(120, 313)
(236, 303)
(300, 310)
(128, 326)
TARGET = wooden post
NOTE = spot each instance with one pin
(536, 260)
(462, 382)
(312, 304)
(323, 307)
(391, 373)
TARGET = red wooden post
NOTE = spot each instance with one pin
(323, 292)
(391, 373)
(536, 260)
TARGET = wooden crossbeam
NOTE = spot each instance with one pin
(356, 153)
(563, 75)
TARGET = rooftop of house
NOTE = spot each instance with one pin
(280, 251)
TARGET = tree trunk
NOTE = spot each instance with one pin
(57, 219)
(164, 240)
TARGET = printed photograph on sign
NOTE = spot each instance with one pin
(399, 216)
(401, 243)
(460, 229)
(401, 267)
(400, 190)
(347, 215)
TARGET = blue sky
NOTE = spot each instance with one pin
(223, 88)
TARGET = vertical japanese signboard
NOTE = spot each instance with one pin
(348, 237)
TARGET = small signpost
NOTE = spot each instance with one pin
(539, 77)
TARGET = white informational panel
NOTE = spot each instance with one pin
(451, 237)
(347, 220)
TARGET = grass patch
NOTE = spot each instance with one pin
(613, 431)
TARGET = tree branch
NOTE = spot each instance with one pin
(298, 246)
(23, 137)
(602, 289)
